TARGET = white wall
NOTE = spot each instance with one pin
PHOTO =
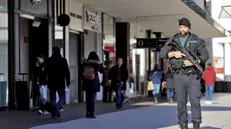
(76, 22)
(216, 9)
(4, 25)
(218, 49)
(24, 47)
(136, 31)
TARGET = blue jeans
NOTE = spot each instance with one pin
(170, 93)
(118, 94)
(209, 92)
(156, 89)
(61, 101)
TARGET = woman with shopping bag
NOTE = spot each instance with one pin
(150, 86)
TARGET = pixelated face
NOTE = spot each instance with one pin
(120, 62)
(40, 60)
(184, 30)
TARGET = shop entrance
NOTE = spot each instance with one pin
(33, 40)
(75, 53)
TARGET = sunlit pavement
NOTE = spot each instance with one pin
(163, 116)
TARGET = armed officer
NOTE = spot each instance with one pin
(186, 77)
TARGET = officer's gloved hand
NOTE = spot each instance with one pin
(187, 63)
(178, 54)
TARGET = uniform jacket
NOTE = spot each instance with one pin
(209, 76)
(196, 45)
(91, 85)
(58, 72)
(113, 74)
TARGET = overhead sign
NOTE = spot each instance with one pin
(93, 18)
(150, 43)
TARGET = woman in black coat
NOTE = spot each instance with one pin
(91, 86)
(169, 85)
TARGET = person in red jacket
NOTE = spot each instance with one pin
(209, 77)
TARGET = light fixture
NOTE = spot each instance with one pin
(36, 23)
(27, 16)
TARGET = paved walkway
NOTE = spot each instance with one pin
(163, 116)
(28, 119)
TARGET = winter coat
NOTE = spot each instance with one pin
(209, 76)
(91, 85)
(113, 76)
(58, 72)
(41, 75)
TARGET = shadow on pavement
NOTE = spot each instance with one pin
(170, 112)
(27, 119)
(215, 108)
(209, 127)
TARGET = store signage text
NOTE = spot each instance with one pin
(36, 1)
(156, 43)
(93, 18)
(75, 15)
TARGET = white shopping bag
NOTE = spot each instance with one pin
(67, 96)
(99, 95)
(43, 92)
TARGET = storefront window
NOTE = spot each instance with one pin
(3, 54)
(109, 40)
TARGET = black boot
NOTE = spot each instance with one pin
(184, 126)
(196, 124)
(87, 115)
(92, 116)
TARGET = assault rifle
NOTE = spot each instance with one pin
(189, 55)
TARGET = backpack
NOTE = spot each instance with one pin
(89, 73)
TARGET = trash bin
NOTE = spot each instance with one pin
(107, 94)
(228, 87)
(219, 86)
(3, 89)
(22, 94)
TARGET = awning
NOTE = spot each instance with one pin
(225, 9)
(159, 15)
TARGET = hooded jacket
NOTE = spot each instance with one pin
(209, 76)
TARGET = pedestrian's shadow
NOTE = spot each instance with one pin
(170, 113)
(208, 127)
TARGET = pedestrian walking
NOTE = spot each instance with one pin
(156, 76)
(41, 76)
(58, 79)
(118, 76)
(91, 83)
(209, 77)
(169, 85)
(186, 79)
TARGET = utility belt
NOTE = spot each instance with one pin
(185, 71)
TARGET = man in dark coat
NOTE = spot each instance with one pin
(118, 76)
(58, 78)
(169, 85)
